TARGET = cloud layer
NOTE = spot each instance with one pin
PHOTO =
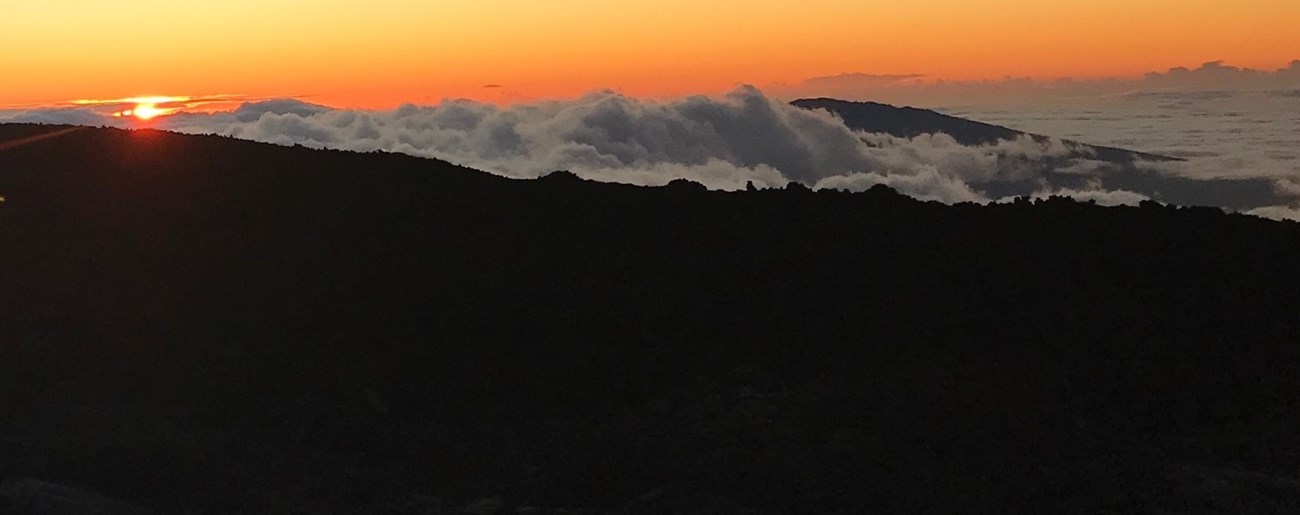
(722, 143)
(1227, 121)
(1222, 133)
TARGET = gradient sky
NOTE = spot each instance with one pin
(378, 53)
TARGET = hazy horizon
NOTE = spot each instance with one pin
(1225, 121)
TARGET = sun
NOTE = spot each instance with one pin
(143, 108)
(147, 111)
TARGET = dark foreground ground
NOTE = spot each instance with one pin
(204, 325)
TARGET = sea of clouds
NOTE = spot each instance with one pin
(722, 142)
(1221, 133)
(1225, 121)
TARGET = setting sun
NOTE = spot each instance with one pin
(148, 108)
(146, 111)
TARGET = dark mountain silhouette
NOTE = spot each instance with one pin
(1122, 174)
(203, 324)
(909, 122)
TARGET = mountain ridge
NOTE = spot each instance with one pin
(909, 122)
(207, 324)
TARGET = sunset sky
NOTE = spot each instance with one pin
(379, 53)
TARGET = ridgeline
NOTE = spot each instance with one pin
(209, 325)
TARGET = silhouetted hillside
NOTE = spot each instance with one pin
(909, 122)
(208, 325)
(1122, 170)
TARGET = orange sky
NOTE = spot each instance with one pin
(378, 53)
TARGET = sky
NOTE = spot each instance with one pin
(378, 54)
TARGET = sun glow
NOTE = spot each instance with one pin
(150, 107)
(147, 111)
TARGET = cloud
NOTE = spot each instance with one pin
(252, 111)
(858, 79)
(1277, 213)
(723, 143)
(84, 111)
(594, 135)
(925, 183)
(1094, 194)
(1216, 75)
(720, 142)
(1228, 122)
(61, 116)
(1289, 187)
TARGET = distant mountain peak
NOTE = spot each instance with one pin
(910, 122)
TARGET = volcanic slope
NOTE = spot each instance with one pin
(204, 324)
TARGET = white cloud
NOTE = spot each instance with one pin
(1277, 213)
(63, 116)
(1100, 196)
(925, 183)
(1288, 186)
(722, 143)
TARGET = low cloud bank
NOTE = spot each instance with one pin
(1277, 212)
(722, 143)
